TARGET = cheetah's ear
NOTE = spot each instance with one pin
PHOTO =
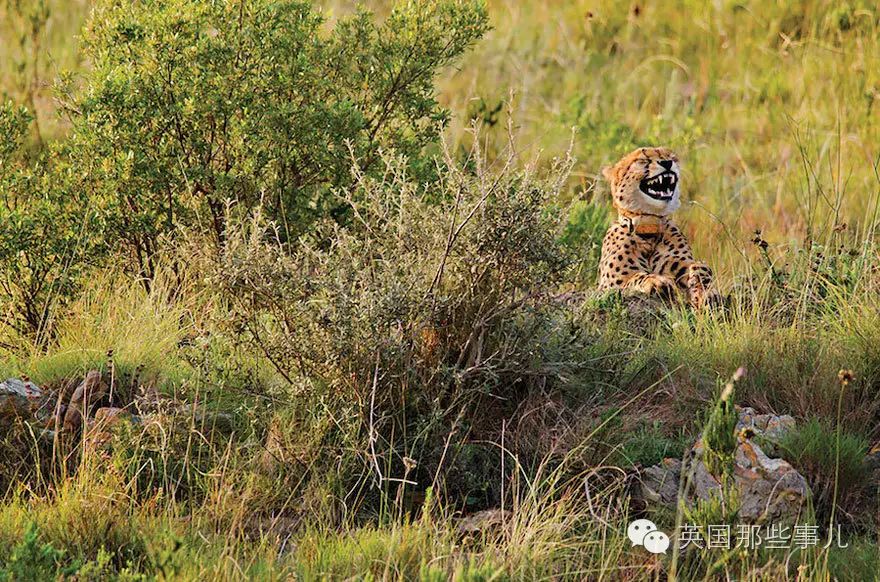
(610, 173)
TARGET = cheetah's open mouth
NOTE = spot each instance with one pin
(661, 186)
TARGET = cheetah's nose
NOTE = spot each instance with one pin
(667, 164)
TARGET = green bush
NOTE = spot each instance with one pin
(191, 106)
(833, 464)
(419, 323)
(583, 234)
(47, 228)
(31, 560)
(648, 446)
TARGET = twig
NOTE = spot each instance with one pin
(371, 428)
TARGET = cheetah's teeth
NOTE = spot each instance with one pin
(661, 187)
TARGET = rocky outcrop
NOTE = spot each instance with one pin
(72, 406)
(769, 428)
(92, 409)
(86, 395)
(769, 488)
(18, 398)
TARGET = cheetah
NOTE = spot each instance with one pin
(643, 250)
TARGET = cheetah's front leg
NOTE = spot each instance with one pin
(701, 290)
(623, 265)
(651, 284)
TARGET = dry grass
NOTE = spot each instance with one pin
(773, 108)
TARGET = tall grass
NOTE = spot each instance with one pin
(772, 107)
(114, 313)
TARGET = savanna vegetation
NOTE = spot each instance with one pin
(335, 262)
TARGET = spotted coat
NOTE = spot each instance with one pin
(644, 250)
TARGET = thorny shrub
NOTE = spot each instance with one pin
(420, 328)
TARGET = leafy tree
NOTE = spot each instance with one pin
(192, 107)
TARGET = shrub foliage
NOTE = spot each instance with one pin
(415, 316)
(191, 106)
(47, 228)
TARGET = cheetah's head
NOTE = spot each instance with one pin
(645, 182)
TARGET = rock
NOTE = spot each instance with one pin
(24, 388)
(769, 427)
(659, 484)
(18, 398)
(89, 391)
(769, 488)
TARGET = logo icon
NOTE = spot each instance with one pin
(643, 532)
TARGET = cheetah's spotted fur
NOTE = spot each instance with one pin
(644, 250)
